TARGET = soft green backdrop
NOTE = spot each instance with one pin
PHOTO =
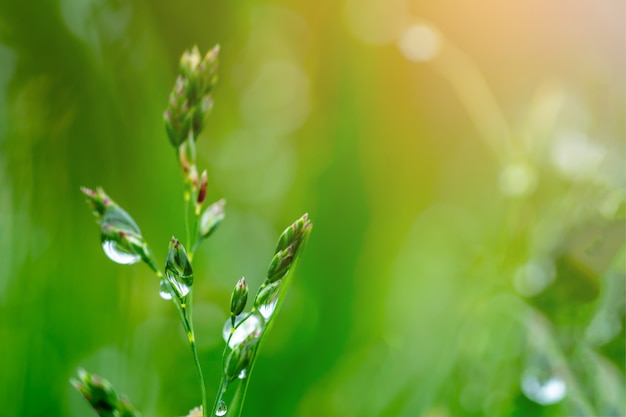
(463, 164)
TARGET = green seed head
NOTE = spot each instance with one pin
(117, 227)
(97, 200)
(190, 100)
(281, 262)
(98, 391)
(287, 248)
(295, 234)
(102, 396)
(238, 359)
(211, 218)
(178, 269)
(239, 297)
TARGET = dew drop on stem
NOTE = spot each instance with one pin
(221, 408)
(118, 254)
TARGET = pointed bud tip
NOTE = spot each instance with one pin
(88, 191)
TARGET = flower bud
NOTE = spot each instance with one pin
(239, 297)
(281, 262)
(121, 238)
(267, 294)
(211, 218)
(287, 248)
(102, 396)
(97, 200)
(204, 183)
(178, 269)
(295, 234)
(239, 358)
(189, 62)
(98, 391)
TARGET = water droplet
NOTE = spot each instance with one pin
(118, 254)
(267, 299)
(229, 325)
(221, 408)
(165, 290)
(242, 374)
(543, 390)
(178, 269)
(179, 287)
(267, 309)
(246, 326)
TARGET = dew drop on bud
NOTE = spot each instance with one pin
(221, 408)
(267, 309)
(242, 374)
(119, 255)
(267, 298)
(164, 290)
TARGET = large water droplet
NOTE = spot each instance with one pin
(246, 326)
(242, 374)
(221, 408)
(118, 254)
(165, 291)
(543, 390)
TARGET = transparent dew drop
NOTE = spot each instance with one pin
(545, 391)
(242, 374)
(249, 327)
(267, 299)
(164, 290)
(221, 408)
(119, 255)
(267, 309)
(228, 326)
(180, 287)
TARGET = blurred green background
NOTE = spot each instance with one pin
(463, 164)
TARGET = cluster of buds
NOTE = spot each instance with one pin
(287, 249)
(118, 228)
(190, 100)
(189, 104)
(102, 396)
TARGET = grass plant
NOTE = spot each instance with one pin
(189, 104)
